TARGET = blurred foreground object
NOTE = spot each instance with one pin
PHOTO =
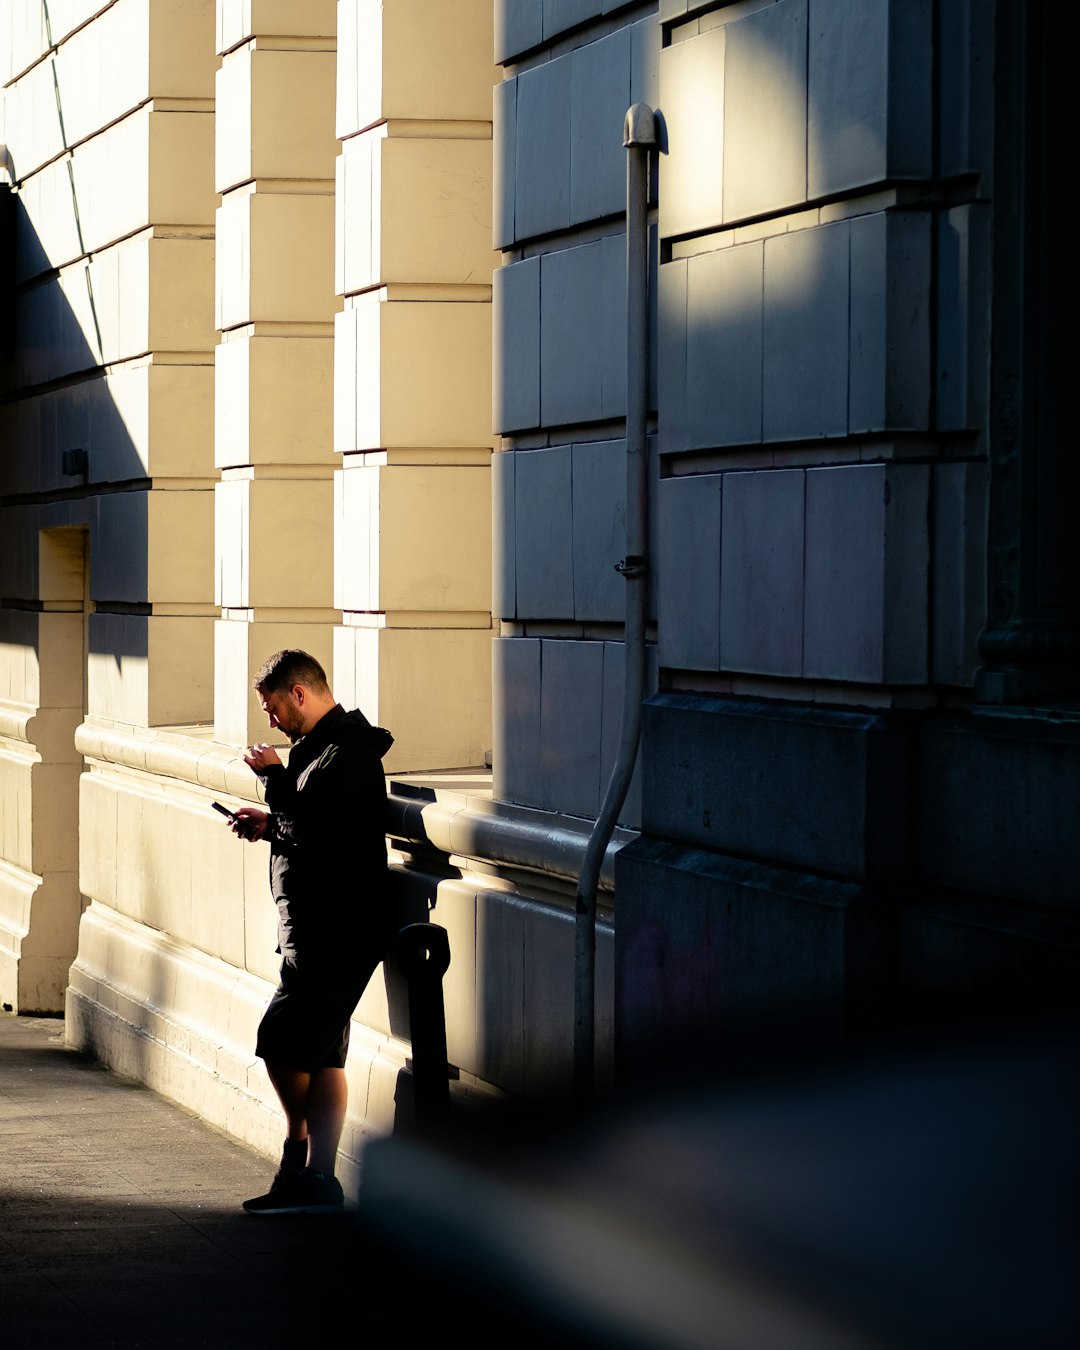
(918, 1198)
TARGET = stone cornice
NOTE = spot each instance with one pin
(451, 814)
(187, 755)
(465, 822)
(16, 722)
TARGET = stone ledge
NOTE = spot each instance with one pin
(187, 753)
(16, 722)
(810, 788)
(454, 813)
(451, 811)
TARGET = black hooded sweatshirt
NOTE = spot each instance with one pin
(328, 836)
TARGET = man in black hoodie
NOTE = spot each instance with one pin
(326, 825)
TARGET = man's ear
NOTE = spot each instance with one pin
(299, 693)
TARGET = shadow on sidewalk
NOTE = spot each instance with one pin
(120, 1224)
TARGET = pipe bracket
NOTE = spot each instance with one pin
(633, 565)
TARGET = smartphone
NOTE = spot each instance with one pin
(230, 816)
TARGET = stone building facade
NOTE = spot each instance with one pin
(862, 761)
(314, 335)
(859, 759)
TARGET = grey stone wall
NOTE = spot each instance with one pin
(822, 322)
(821, 847)
(571, 71)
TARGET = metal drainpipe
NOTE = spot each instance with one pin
(639, 137)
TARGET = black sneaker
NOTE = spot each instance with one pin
(303, 1192)
(324, 1194)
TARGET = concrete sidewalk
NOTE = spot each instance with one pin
(920, 1197)
(120, 1222)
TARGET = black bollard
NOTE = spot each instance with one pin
(422, 951)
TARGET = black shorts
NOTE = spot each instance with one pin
(306, 1023)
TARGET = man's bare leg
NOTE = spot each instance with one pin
(314, 1106)
(293, 1087)
(327, 1100)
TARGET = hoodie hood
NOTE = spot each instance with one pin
(358, 729)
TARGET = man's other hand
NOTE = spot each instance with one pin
(261, 757)
(250, 823)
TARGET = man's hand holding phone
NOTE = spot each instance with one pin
(248, 823)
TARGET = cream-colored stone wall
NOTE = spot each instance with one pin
(106, 468)
(41, 700)
(271, 336)
(412, 375)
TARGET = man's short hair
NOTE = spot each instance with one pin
(290, 667)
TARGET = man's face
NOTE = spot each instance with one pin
(284, 712)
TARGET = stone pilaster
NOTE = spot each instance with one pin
(107, 512)
(412, 415)
(274, 159)
(1031, 644)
